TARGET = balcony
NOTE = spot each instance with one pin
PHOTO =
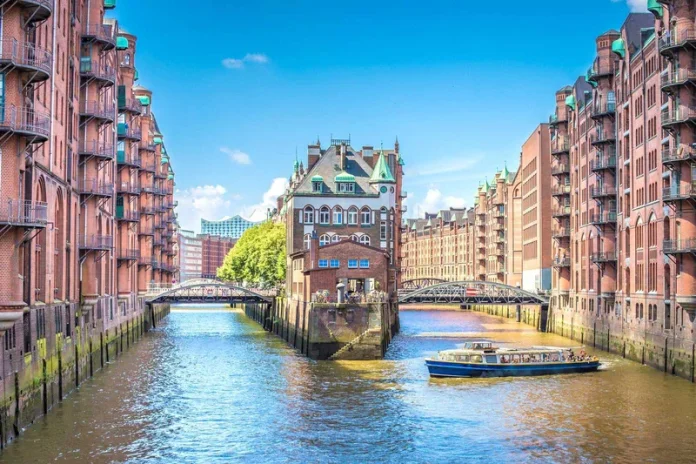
(128, 255)
(148, 211)
(604, 136)
(675, 79)
(403, 194)
(147, 261)
(602, 163)
(26, 122)
(95, 187)
(159, 242)
(605, 218)
(104, 112)
(127, 216)
(602, 109)
(499, 238)
(128, 188)
(36, 10)
(162, 191)
(129, 105)
(23, 213)
(147, 146)
(125, 160)
(147, 167)
(128, 133)
(102, 34)
(561, 262)
(560, 190)
(145, 229)
(560, 145)
(160, 175)
(34, 62)
(674, 247)
(96, 149)
(677, 116)
(603, 257)
(95, 242)
(561, 232)
(600, 69)
(91, 70)
(678, 155)
(672, 41)
(498, 226)
(498, 213)
(678, 193)
(603, 192)
(561, 211)
(560, 169)
(555, 120)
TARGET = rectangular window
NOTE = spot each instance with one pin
(323, 263)
(352, 217)
(352, 264)
(316, 187)
(383, 230)
(364, 264)
(365, 217)
(335, 263)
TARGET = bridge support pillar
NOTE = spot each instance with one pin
(543, 317)
(518, 313)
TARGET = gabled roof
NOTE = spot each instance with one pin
(381, 173)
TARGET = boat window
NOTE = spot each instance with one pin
(515, 358)
(476, 358)
(491, 358)
(463, 358)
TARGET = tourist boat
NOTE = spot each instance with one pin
(482, 359)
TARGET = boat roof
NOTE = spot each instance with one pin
(535, 350)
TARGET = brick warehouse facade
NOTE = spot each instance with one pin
(214, 250)
(86, 200)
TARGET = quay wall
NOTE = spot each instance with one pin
(58, 362)
(669, 353)
(323, 330)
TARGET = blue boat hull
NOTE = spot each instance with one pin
(453, 369)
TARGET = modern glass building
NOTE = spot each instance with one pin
(232, 227)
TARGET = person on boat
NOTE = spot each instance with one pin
(583, 355)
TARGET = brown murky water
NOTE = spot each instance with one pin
(210, 386)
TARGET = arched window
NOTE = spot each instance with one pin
(353, 216)
(308, 215)
(652, 231)
(365, 216)
(365, 239)
(335, 238)
(307, 241)
(324, 240)
(354, 238)
(126, 59)
(338, 215)
(324, 214)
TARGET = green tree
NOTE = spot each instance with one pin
(258, 257)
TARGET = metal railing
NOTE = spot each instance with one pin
(130, 104)
(678, 192)
(685, 245)
(98, 109)
(131, 188)
(560, 169)
(603, 257)
(25, 120)
(96, 242)
(148, 210)
(603, 191)
(101, 32)
(559, 190)
(603, 108)
(98, 70)
(128, 255)
(683, 153)
(606, 162)
(676, 38)
(561, 232)
(604, 135)
(561, 211)
(677, 77)
(560, 144)
(128, 132)
(561, 262)
(678, 115)
(131, 160)
(96, 148)
(95, 187)
(128, 215)
(23, 212)
(146, 230)
(26, 54)
(603, 218)
(147, 146)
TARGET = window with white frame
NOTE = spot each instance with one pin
(383, 230)
(323, 263)
(365, 216)
(364, 264)
(324, 240)
(308, 215)
(335, 238)
(355, 238)
(317, 187)
(346, 187)
(338, 215)
(352, 264)
(307, 241)
(353, 216)
(335, 263)
(365, 239)
(324, 214)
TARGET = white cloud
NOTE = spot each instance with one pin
(204, 201)
(434, 201)
(258, 211)
(237, 156)
(635, 5)
(238, 63)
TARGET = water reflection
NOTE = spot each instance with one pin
(211, 386)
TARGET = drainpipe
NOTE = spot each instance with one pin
(51, 152)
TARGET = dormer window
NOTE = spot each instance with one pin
(346, 187)
(317, 184)
(345, 183)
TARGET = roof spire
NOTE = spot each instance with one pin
(296, 165)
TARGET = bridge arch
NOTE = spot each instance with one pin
(472, 292)
(414, 284)
(210, 291)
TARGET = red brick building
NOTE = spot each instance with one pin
(214, 251)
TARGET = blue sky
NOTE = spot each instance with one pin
(238, 86)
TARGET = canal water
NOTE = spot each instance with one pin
(211, 386)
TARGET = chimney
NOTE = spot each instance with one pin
(313, 155)
(313, 250)
(344, 149)
(368, 154)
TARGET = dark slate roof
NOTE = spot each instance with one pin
(328, 167)
(632, 27)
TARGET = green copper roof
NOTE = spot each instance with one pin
(401, 160)
(381, 172)
(570, 101)
(453, 218)
(136, 77)
(589, 77)
(121, 43)
(163, 150)
(486, 187)
(413, 227)
(144, 100)
(109, 4)
(317, 179)
(157, 140)
(170, 177)
(343, 176)
(655, 8)
(619, 47)
(506, 173)
(296, 165)
(165, 160)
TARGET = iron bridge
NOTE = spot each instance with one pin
(211, 292)
(415, 284)
(473, 292)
